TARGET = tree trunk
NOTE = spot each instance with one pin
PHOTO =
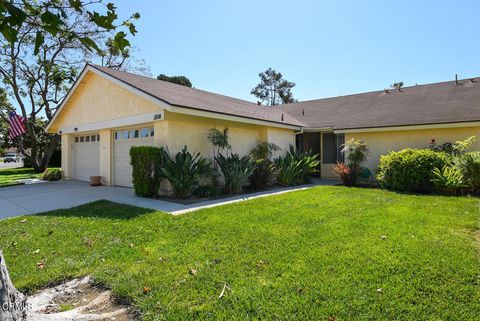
(47, 155)
(13, 303)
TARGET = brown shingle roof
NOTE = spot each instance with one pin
(444, 102)
(202, 100)
(437, 103)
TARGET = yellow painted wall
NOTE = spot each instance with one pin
(178, 130)
(106, 156)
(283, 138)
(67, 155)
(380, 143)
(97, 99)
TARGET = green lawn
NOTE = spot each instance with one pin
(8, 176)
(304, 255)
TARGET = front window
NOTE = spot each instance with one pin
(332, 148)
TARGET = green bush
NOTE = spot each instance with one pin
(469, 165)
(146, 162)
(265, 170)
(208, 190)
(295, 167)
(184, 171)
(235, 170)
(410, 169)
(52, 174)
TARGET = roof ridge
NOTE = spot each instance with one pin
(392, 90)
(173, 84)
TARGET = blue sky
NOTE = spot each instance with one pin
(328, 48)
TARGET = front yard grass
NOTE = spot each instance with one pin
(9, 176)
(345, 253)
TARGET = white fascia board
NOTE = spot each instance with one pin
(409, 127)
(208, 114)
(114, 123)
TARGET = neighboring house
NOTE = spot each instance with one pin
(108, 111)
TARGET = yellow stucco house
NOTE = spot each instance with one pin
(108, 111)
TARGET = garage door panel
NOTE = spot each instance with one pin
(86, 159)
(122, 170)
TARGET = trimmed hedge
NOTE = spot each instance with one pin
(410, 169)
(146, 164)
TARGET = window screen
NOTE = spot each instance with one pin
(331, 148)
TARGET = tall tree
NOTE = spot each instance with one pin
(41, 59)
(179, 80)
(273, 89)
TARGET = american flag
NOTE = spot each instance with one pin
(16, 124)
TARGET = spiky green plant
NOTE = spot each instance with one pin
(184, 171)
(235, 170)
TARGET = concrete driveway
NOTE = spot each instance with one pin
(43, 197)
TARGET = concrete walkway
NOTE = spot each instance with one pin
(38, 198)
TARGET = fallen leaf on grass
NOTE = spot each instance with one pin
(146, 289)
(261, 263)
(225, 286)
(41, 265)
(192, 271)
(36, 251)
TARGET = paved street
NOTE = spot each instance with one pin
(10, 165)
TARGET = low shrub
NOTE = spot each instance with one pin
(469, 166)
(410, 169)
(235, 170)
(209, 190)
(146, 164)
(265, 170)
(295, 167)
(184, 171)
(52, 174)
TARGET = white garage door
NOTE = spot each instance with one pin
(123, 140)
(86, 157)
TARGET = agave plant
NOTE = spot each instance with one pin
(235, 170)
(184, 170)
(295, 167)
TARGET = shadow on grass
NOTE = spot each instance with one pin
(101, 209)
(16, 171)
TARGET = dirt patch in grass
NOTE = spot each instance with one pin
(78, 299)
